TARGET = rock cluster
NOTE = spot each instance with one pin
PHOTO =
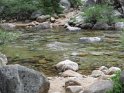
(20, 79)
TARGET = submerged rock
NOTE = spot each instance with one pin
(66, 65)
(58, 46)
(90, 39)
(19, 79)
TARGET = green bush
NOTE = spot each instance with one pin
(98, 13)
(117, 85)
(22, 9)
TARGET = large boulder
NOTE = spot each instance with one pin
(66, 65)
(102, 86)
(19, 79)
(3, 60)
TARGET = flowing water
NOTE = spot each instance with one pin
(41, 50)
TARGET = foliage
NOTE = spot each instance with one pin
(22, 9)
(6, 37)
(117, 85)
(99, 13)
(50, 6)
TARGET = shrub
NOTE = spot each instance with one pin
(98, 13)
(22, 9)
(117, 85)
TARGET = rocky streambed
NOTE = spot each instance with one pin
(41, 50)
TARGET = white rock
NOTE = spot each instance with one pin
(113, 70)
(3, 60)
(73, 89)
(70, 73)
(70, 28)
(66, 65)
(104, 69)
(119, 25)
(73, 28)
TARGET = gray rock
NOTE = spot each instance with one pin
(3, 60)
(101, 26)
(90, 39)
(19, 79)
(36, 14)
(100, 87)
(122, 77)
(65, 4)
(86, 26)
(119, 25)
(8, 26)
(74, 89)
(66, 65)
(72, 83)
(97, 73)
(41, 26)
(42, 18)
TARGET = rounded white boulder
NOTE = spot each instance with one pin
(66, 65)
